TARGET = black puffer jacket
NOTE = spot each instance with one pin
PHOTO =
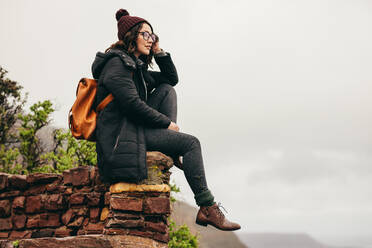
(121, 148)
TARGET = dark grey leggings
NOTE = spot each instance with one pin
(174, 144)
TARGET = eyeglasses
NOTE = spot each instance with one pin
(146, 36)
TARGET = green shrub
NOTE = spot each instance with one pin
(70, 152)
(181, 237)
(21, 151)
(175, 189)
(11, 105)
(8, 161)
(15, 243)
(30, 147)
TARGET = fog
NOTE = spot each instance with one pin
(278, 92)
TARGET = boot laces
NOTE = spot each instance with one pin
(219, 210)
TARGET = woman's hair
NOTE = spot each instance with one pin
(129, 44)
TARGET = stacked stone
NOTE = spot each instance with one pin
(47, 205)
(77, 203)
(142, 209)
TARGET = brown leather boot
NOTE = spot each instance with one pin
(212, 215)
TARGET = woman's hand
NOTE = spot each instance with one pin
(155, 46)
(173, 126)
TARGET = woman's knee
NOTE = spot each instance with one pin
(194, 142)
(167, 88)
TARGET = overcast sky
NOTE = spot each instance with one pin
(278, 92)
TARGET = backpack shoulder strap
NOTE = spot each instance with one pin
(107, 100)
(104, 102)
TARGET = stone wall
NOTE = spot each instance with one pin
(77, 203)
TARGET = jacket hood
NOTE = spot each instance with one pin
(102, 58)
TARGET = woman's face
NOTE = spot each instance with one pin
(143, 45)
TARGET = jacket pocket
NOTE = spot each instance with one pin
(125, 150)
(120, 135)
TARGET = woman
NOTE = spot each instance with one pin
(143, 115)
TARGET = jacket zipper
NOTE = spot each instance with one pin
(117, 141)
(117, 137)
(144, 84)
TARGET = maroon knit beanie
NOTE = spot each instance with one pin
(126, 22)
